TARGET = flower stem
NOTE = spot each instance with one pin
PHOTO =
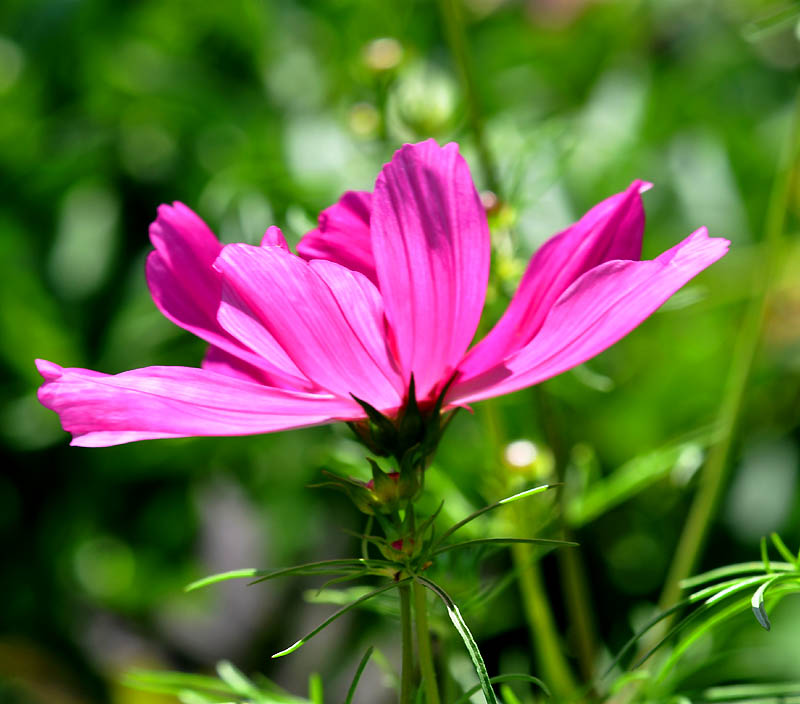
(544, 634)
(407, 672)
(541, 624)
(457, 41)
(424, 644)
(576, 590)
(712, 479)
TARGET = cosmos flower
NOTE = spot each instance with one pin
(389, 287)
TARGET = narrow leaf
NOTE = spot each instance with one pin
(359, 671)
(221, 577)
(464, 698)
(466, 636)
(731, 570)
(236, 680)
(757, 604)
(315, 689)
(765, 554)
(497, 504)
(780, 546)
(336, 615)
(504, 541)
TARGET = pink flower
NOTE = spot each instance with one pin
(390, 284)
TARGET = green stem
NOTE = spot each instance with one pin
(714, 474)
(544, 633)
(573, 575)
(541, 625)
(424, 644)
(407, 672)
(457, 41)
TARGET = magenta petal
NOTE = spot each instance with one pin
(182, 281)
(430, 239)
(219, 361)
(273, 237)
(611, 230)
(270, 289)
(187, 289)
(159, 402)
(343, 235)
(601, 307)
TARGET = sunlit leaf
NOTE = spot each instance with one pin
(466, 636)
(336, 615)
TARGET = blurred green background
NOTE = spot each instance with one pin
(256, 113)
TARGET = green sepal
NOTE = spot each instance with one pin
(358, 492)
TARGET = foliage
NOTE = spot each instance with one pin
(257, 113)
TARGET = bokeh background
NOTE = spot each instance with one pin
(261, 112)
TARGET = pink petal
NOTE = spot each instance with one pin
(600, 308)
(610, 230)
(273, 237)
(343, 235)
(184, 285)
(159, 402)
(219, 361)
(430, 239)
(330, 333)
(187, 289)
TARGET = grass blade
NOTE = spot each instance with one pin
(359, 671)
(509, 499)
(498, 679)
(466, 636)
(337, 614)
(731, 570)
(321, 567)
(504, 541)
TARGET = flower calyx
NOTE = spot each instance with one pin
(411, 437)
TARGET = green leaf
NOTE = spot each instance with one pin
(735, 692)
(730, 570)
(315, 688)
(765, 554)
(464, 698)
(168, 682)
(359, 671)
(719, 616)
(504, 541)
(757, 604)
(780, 546)
(510, 499)
(336, 615)
(466, 636)
(310, 568)
(236, 680)
(629, 479)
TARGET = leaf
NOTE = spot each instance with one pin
(236, 680)
(718, 617)
(466, 636)
(321, 567)
(336, 615)
(750, 691)
(757, 604)
(221, 577)
(709, 604)
(505, 541)
(629, 479)
(764, 554)
(780, 546)
(490, 507)
(730, 570)
(315, 688)
(359, 671)
(711, 594)
(464, 698)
